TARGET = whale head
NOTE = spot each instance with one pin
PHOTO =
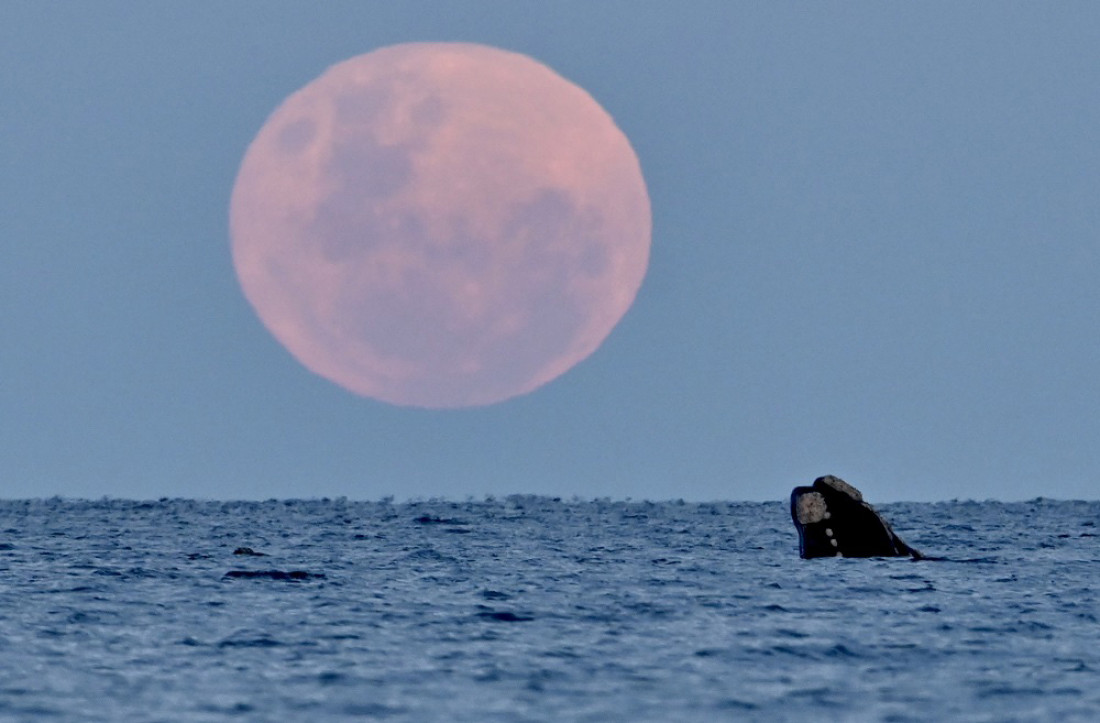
(833, 521)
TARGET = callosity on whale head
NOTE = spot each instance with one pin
(833, 521)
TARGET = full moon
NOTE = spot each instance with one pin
(440, 224)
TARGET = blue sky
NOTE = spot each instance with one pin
(875, 255)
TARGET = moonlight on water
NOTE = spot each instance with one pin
(440, 224)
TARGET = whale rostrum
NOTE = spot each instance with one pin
(833, 521)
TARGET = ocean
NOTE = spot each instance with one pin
(527, 608)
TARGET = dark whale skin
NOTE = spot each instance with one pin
(833, 521)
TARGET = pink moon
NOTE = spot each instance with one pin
(440, 225)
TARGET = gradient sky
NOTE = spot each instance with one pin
(875, 255)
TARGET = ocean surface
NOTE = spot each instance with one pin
(539, 609)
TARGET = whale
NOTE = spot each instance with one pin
(833, 521)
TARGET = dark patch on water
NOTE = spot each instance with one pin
(262, 641)
(736, 704)
(292, 575)
(435, 520)
(504, 616)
